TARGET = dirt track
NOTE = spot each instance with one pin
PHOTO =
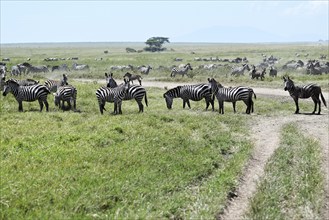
(266, 136)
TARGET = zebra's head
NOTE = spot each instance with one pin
(288, 84)
(170, 95)
(188, 66)
(110, 82)
(214, 85)
(9, 86)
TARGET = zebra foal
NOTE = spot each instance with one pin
(232, 94)
(27, 93)
(116, 95)
(66, 94)
(304, 92)
(189, 92)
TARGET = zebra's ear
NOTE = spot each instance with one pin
(209, 79)
(106, 74)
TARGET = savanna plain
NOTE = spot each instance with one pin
(162, 164)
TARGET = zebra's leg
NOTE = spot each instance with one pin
(316, 101)
(247, 102)
(20, 106)
(221, 107)
(233, 103)
(119, 107)
(188, 104)
(140, 106)
(184, 103)
(297, 107)
(46, 104)
(41, 104)
(140, 82)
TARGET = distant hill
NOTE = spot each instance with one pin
(224, 34)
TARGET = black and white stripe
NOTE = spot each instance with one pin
(54, 84)
(26, 82)
(27, 93)
(66, 94)
(134, 92)
(181, 71)
(304, 92)
(189, 92)
(116, 95)
(232, 94)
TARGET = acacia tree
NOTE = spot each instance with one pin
(155, 44)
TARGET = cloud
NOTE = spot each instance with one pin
(307, 8)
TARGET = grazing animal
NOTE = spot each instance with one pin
(2, 76)
(273, 72)
(232, 94)
(132, 77)
(181, 71)
(238, 71)
(54, 84)
(27, 93)
(66, 94)
(37, 69)
(145, 70)
(116, 95)
(62, 67)
(134, 92)
(26, 82)
(189, 92)
(257, 74)
(76, 66)
(304, 92)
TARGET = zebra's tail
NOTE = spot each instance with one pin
(145, 98)
(323, 100)
(254, 94)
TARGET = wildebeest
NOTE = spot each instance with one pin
(132, 77)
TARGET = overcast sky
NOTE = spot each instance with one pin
(181, 21)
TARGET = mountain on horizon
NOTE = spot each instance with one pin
(222, 34)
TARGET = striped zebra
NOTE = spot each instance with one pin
(232, 94)
(54, 84)
(116, 95)
(189, 92)
(181, 71)
(66, 94)
(304, 92)
(134, 92)
(27, 93)
(26, 82)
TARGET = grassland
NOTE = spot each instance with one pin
(177, 163)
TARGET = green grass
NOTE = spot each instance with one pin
(177, 163)
(163, 163)
(293, 185)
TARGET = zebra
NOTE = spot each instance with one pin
(134, 92)
(68, 94)
(54, 84)
(182, 71)
(26, 82)
(304, 92)
(116, 95)
(37, 69)
(238, 71)
(132, 77)
(110, 82)
(145, 70)
(27, 93)
(232, 94)
(189, 92)
(2, 76)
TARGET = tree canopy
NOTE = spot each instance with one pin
(155, 44)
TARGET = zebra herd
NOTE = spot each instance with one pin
(30, 90)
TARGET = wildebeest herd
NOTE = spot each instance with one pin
(30, 90)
